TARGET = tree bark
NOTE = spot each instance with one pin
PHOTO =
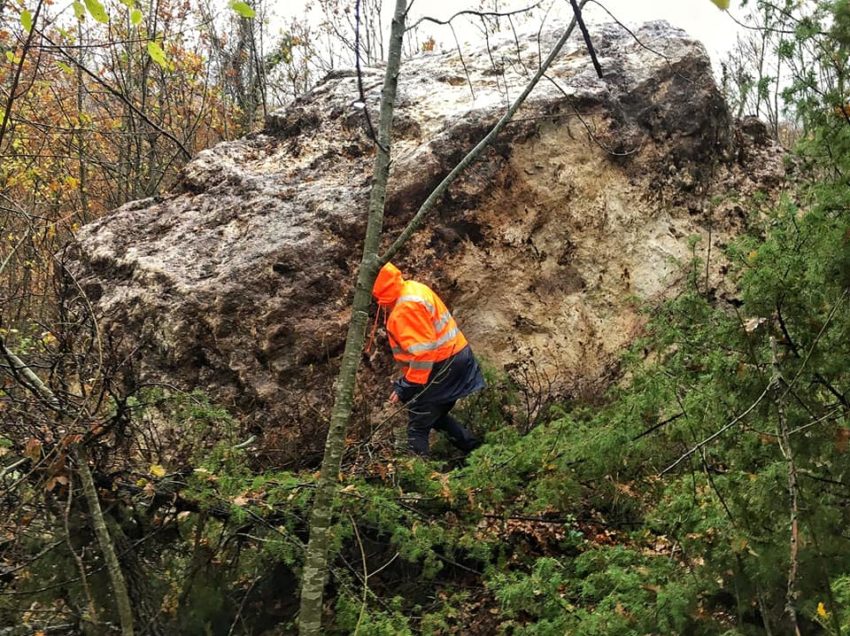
(315, 569)
(107, 548)
(794, 538)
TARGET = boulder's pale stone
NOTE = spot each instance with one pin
(239, 282)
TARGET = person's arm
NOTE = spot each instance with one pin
(405, 390)
(413, 331)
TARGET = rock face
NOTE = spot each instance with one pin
(239, 282)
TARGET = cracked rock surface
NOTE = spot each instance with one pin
(239, 281)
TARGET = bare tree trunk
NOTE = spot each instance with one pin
(315, 569)
(81, 568)
(107, 548)
(83, 162)
(794, 540)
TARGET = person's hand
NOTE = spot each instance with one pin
(393, 397)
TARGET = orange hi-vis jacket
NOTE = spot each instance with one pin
(420, 327)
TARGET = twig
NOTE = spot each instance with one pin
(363, 101)
(121, 96)
(714, 436)
(462, 61)
(811, 350)
(655, 427)
(640, 42)
(242, 604)
(365, 576)
(480, 14)
(32, 559)
(822, 418)
(387, 564)
(586, 36)
(591, 133)
(795, 350)
(33, 382)
(7, 113)
(246, 443)
(10, 468)
(473, 154)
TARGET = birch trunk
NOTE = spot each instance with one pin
(113, 568)
(315, 569)
(107, 548)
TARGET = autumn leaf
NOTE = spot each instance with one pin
(445, 489)
(33, 449)
(243, 9)
(135, 17)
(97, 11)
(26, 20)
(54, 481)
(721, 4)
(842, 439)
(751, 324)
(79, 10)
(69, 440)
(739, 544)
(157, 54)
(822, 610)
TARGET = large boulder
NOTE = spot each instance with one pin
(239, 282)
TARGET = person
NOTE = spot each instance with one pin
(436, 360)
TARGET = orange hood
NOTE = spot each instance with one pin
(387, 286)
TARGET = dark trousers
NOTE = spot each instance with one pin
(423, 417)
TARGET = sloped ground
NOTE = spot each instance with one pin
(239, 282)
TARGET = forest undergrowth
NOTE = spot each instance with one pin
(706, 495)
(707, 492)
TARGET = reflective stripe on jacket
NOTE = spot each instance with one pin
(421, 331)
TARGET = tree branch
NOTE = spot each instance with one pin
(116, 93)
(714, 436)
(586, 36)
(473, 154)
(480, 14)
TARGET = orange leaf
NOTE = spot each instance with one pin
(842, 438)
(33, 449)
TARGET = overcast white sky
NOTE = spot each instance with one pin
(700, 18)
